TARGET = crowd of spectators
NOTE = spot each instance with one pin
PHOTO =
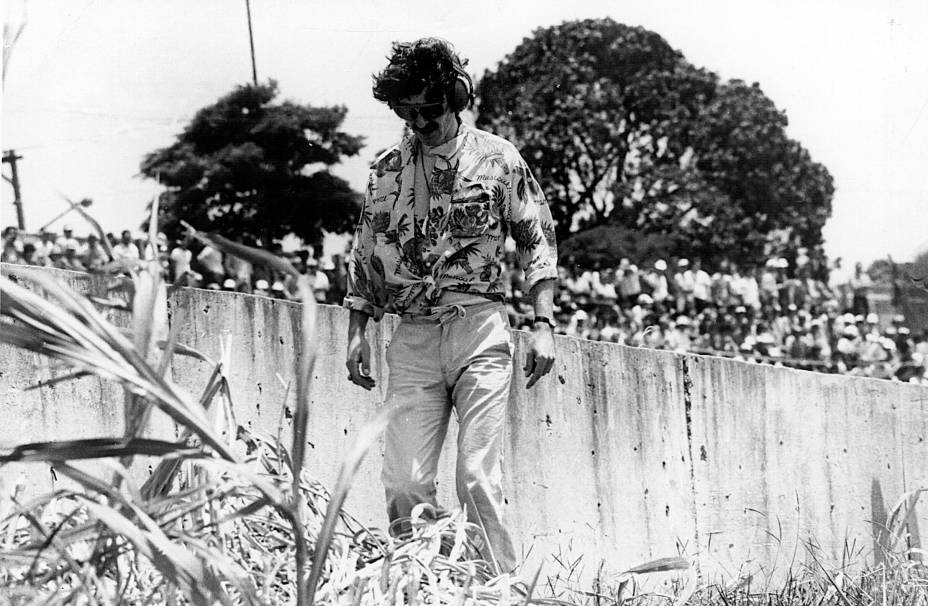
(185, 261)
(806, 315)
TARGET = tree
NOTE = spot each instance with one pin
(621, 129)
(606, 245)
(742, 149)
(255, 171)
(919, 267)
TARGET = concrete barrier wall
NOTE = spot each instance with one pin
(81, 408)
(621, 453)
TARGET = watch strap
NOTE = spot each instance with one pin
(546, 320)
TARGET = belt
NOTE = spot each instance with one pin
(447, 313)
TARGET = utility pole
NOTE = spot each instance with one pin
(10, 157)
(251, 43)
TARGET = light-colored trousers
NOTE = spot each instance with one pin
(458, 358)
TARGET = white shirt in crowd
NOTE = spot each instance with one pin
(684, 281)
(320, 284)
(180, 260)
(702, 284)
(660, 290)
(67, 242)
(125, 251)
(44, 250)
(747, 288)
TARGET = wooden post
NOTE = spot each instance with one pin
(10, 157)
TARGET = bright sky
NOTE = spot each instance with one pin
(94, 85)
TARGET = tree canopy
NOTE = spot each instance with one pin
(256, 171)
(621, 129)
(605, 245)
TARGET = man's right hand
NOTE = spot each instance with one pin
(359, 361)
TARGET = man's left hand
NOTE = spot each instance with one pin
(540, 357)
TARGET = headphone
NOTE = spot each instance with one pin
(460, 94)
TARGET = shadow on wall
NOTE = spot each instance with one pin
(878, 522)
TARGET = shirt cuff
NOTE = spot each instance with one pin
(536, 275)
(358, 304)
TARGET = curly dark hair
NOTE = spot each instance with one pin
(427, 64)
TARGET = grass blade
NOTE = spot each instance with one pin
(76, 333)
(349, 468)
(304, 372)
(660, 565)
(176, 564)
(95, 448)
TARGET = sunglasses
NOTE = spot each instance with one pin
(428, 111)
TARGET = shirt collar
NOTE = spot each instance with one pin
(450, 147)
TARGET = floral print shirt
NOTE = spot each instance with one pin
(479, 190)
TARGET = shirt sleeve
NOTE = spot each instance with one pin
(531, 226)
(359, 296)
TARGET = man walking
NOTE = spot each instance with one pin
(437, 211)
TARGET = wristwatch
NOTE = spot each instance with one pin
(546, 320)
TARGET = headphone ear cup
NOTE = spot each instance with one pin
(460, 94)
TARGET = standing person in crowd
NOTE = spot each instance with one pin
(749, 289)
(838, 279)
(30, 255)
(67, 239)
(45, 247)
(605, 293)
(180, 258)
(125, 248)
(589, 278)
(658, 284)
(69, 259)
(94, 257)
(769, 286)
(792, 291)
(745, 287)
(724, 292)
(684, 282)
(576, 285)
(629, 283)
(338, 278)
(702, 286)
(679, 335)
(320, 281)
(460, 191)
(859, 285)
(578, 325)
(12, 247)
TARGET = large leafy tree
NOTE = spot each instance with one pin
(606, 245)
(621, 129)
(255, 170)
